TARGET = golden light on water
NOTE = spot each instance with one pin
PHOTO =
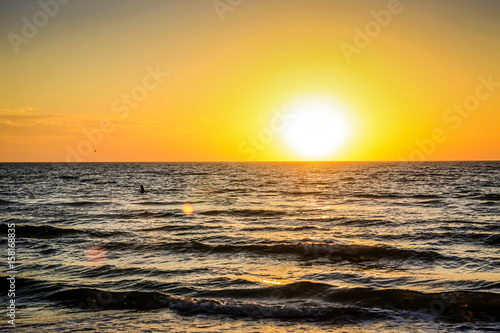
(272, 282)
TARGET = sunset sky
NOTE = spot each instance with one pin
(204, 80)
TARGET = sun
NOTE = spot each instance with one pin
(317, 129)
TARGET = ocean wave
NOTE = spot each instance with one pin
(332, 303)
(431, 202)
(348, 178)
(401, 299)
(297, 290)
(84, 203)
(367, 252)
(425, 196)
(453, 235)
(6, 202)
(99, 299)
(458, 304)
(98, 181)
(300, 193)
(465, 236)
(377, 196)
(109, 270)
(191, 174)
(143, 214)
(493, 240)
(229, 190)
(181, 227)
(41, 231)
(365, 222)
(304, 249)
(320, 218)
(32, 287)
(488, 197)
(159, 203)
(243, 212)
(398, 196)
(46, 231)
(283, 228)
(68, 177)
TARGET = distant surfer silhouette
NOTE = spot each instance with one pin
(142, 189)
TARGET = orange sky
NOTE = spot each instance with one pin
(197, 80)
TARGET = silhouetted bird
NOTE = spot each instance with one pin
(142, 189)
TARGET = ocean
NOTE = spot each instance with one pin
(251, 247)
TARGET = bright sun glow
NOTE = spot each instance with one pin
(317, 129)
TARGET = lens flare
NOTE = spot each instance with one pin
(187, 208)
(96, 253)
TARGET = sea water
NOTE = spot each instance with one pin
(269, 247)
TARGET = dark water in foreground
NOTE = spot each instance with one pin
(285, 247)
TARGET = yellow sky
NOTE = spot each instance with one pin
(204, 77)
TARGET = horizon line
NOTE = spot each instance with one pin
(268, 161)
